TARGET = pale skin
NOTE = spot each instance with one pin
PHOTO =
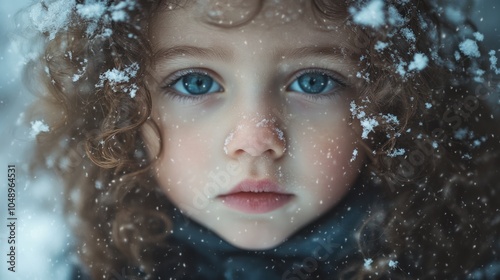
(254, 123)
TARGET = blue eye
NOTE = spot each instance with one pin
(196, 84)
(313, 83)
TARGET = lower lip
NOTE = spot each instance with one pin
(256, 203)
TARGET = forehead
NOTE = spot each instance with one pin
(265, 22)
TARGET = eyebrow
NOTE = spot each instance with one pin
(191, 51)
(335, 52)
(223, 54)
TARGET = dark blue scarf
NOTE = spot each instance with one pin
(320, 249)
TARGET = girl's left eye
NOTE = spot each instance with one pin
(195, 83)
(314, 82)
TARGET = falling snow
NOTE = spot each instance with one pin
(51, 17)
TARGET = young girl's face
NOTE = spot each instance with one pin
(254, 119)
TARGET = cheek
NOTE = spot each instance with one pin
(186, 159)
(328, 163)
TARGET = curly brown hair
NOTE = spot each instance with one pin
(440, 217)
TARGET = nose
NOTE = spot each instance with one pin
(256, 137)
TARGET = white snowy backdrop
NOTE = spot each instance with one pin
(42, 237)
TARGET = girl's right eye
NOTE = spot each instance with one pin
(195, 83)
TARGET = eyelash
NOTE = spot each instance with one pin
(341, 84)
(167, 86)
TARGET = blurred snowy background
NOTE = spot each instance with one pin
(42, 237)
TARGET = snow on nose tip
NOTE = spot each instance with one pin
(261, 136)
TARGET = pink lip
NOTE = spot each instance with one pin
(256, 197)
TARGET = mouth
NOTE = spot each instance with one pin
(256, 197)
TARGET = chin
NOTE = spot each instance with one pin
(255, 239)
(255, 244)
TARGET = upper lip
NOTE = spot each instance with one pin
(256, 186)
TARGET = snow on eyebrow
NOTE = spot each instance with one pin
(372, 14)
